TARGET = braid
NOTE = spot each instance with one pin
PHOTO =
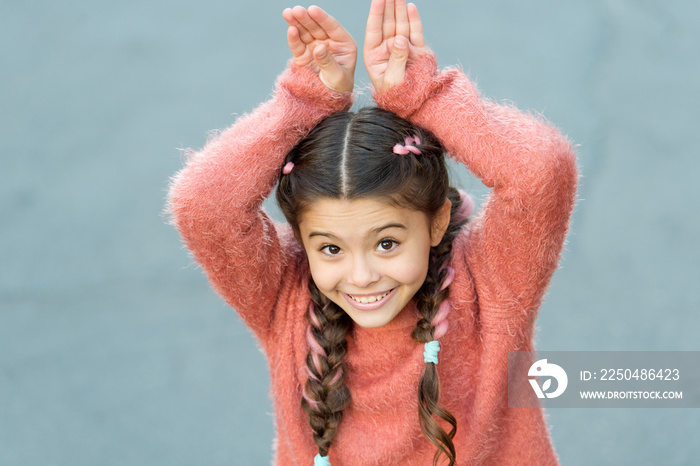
(433, 305)
(325, 395)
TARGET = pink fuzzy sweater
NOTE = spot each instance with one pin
(503, 260)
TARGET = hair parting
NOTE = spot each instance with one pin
(344, 161)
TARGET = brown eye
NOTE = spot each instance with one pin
(387, 244)
(331, 249)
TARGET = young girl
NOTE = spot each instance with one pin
(377, 269)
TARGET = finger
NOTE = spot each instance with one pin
(375, 21)
(330, 72)
(304, 34)
(329, 24)
(312, 26)
(295, 44)
(389, 24)
(396, 67)
(401, 18)
(417, 38)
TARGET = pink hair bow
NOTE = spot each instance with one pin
(409, 146)
(288, 168)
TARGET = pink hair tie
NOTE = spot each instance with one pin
(288, 168)
(409, 146)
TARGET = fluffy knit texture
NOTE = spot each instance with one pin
(503, 261)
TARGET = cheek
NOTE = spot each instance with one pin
(325, 275)
(411, 269)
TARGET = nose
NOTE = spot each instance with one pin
(363, 272)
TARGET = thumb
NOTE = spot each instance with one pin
(396, 68)
(330, 72)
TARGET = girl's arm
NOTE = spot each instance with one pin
(216, 200)
(515, 243)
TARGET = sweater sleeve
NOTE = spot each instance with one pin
(514, 244)
(216, 200)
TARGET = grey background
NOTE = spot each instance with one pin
(113, 349)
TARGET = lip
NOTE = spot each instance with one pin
(369, 306)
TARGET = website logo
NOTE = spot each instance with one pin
(541, 369)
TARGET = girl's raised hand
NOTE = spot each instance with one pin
(393, 38)
(318, 41)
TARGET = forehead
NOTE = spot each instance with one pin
(357, 216)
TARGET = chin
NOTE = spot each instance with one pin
(368, 319)
(364, 323)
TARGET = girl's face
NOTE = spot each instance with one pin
(369, 257)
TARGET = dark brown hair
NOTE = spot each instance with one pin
(350, 156)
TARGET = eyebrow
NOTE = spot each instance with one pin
(371, 233)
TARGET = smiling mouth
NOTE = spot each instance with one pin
(369, 299)
(369, 302)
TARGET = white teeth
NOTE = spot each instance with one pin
(368, 299)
